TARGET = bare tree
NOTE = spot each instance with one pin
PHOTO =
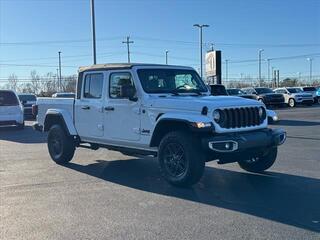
(13, 82)
(35, 82)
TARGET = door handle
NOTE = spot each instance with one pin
(85, 107)
(109, 108)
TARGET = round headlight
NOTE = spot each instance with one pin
(216, 115)
(262, 113)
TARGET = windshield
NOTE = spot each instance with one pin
(8, 98)
(294, 90)
(169, 80)
(27, 98)
(263, 90)
(235, 92)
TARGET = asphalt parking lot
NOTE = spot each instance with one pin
(105, 195)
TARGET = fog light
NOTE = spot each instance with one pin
(227, 146)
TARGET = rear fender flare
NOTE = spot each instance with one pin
(64, 117)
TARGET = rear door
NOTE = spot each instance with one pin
(89, 108)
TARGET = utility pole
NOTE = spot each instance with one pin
(128, 47)
(310, 69)
(93, 25)
(167, 57)
(260, 51)
(268, 61)
(200, 26)
(227, 69)
(299, 76)
(59, 70)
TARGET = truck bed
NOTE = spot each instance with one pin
(46, 103)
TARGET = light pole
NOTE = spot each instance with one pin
(260, 51)
(167, 57)
(200, 26)
(227, 70)
(93, 33)
(59, 70)
(310, 69)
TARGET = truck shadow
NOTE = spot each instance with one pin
(26, 135)
(288, 199)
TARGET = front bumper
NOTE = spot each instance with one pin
(271, 101)
(244, 141)
(304, 100)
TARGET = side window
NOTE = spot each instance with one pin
(117, 82)
(93, 85)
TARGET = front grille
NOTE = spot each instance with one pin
(240, 117)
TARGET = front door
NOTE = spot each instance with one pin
(122, 116)
(89, 108)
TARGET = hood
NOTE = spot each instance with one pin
(196, 103)
(303, 94)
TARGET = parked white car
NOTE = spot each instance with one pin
(11, 110)
(294, 96)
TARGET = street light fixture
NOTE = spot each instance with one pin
(200, 26)
(260, 51)
(167, 57)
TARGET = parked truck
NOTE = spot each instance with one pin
(159, 110)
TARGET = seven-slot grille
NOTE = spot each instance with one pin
(240, 117)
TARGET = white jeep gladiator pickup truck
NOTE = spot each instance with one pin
(163, 111)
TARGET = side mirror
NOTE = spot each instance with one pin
(129, 92)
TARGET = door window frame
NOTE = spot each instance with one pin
(103, 85)
(109, 84)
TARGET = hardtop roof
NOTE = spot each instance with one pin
(113, 66)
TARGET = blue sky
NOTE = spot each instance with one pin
(33, 31)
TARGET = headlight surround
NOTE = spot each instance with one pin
(217, 116)
(262, 113)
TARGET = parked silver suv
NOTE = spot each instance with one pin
(294, 96)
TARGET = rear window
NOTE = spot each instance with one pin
(8, 99)
(27, 98)
(309, 89)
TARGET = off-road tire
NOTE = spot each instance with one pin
(61, 146)
(193, 158)
(291, 102)
(261, 163)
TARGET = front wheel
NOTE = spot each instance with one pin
(61, 146)
(181, 159)
(291, 102)
(261, 163)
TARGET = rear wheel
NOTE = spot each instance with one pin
(260, 163)
(181, 159)
(61, 146)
